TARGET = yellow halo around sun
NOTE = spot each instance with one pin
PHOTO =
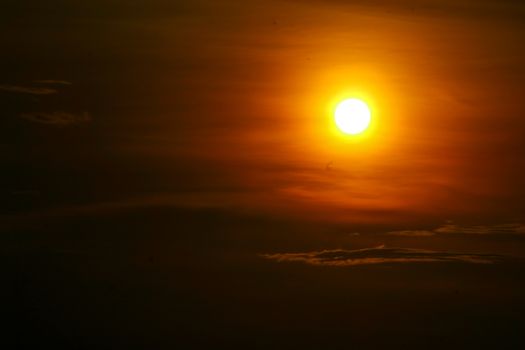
(352, 116)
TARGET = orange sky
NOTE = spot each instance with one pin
(444, 90)
(235, 101)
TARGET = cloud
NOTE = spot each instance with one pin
(53, 82)
(482, 229)
(57, 118)
(28, 90)
(512, 229)
(381, 255)
(414, 233)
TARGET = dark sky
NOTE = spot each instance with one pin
(171, 176)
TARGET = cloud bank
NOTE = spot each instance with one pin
(381, 255)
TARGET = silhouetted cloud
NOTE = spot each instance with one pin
(513, 229)
(382, 255)
(57, 118)
(53, 82)
(482, 229)
(413, 233)
(28, 90)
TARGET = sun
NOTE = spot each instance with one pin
(352, 116)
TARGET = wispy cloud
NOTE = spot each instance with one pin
(28, 90)
(413, 233)
(57, 118)
(513, 229)
(382, 255)
(53, 82)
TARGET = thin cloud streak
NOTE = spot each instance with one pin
(381, 255)
(509, 229)
(27, 90)
(53, 82)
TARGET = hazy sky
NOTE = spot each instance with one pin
(201, 131)
(227, 102)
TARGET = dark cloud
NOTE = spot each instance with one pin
(57, 118)
(382, 255)
(53, 82)
(27, 90)
(412, 233)
(513, 229)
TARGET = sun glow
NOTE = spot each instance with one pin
(352, 116)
